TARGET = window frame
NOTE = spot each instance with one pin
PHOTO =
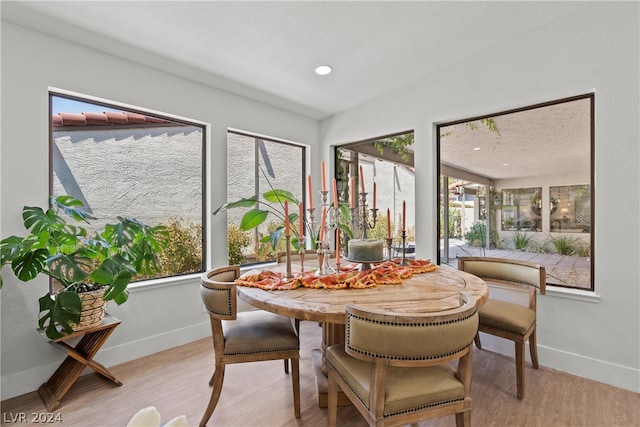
(303, 187)
(591, 97)
(110, 104)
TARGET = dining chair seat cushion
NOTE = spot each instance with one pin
(258, 332)
(407, 389)
(507, 316)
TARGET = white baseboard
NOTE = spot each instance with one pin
(30, 380)
(575, 364)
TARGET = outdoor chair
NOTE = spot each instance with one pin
(510, 320)
(397, 368)
(250, 336)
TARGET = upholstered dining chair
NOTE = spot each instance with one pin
(396, 368)
(250, 336)
(510, 320)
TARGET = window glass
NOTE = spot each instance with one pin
(136, 165)
(521, 209)
(570, 209)
(257, 165)
(519, 184)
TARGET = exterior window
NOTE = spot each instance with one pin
(570, 210)
(257, 165)
(529, 172)
(521, 209)
(132, 164)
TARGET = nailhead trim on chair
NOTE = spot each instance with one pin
(263, 351)
(431, 405)
(229, 308)
(419, 324)
(407, 411)
(506, 330)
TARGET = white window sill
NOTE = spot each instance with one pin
(165, 281)
(574, 294)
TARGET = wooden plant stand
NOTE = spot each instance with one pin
(78, 358)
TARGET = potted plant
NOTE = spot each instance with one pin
(78, 262)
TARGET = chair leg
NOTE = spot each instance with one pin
(477, 340)
(463, 419)
(218, 378)
(520, 368)
(533, 349)
(295, 379)
(332, 401)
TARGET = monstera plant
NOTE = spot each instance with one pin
(59, 247)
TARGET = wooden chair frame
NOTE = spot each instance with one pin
(373, 411)
(516, 273)
(221, 282)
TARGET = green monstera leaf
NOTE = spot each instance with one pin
(63, 310)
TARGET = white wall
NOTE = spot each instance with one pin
(595, 50)
(154, 318)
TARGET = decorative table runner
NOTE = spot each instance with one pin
(386, 273)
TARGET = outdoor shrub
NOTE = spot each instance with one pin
(238, 240)
(183, 253)
(565, 245)
(477, 235)
(521, 240)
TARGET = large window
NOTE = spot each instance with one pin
(257, 165)
(527, 180)
(133, 164)
(387, 161)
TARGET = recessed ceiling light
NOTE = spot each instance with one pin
(476, 149)
(323, 70)
(505, 164)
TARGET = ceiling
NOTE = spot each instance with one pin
(267, 50)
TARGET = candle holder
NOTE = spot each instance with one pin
(301, 252)
(404, 248)
(389, 241)
(364, 223)
(312, 220)
(288, 275)
(324, 253)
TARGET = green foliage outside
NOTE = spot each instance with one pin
(237, 241)
(477, 235)
(183, 253)
(521, 240)
(569, 245)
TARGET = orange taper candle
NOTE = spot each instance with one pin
(352, 192)
(301, 226)
(361, 180)
(286, 218)
(324, 181)
(388, 224)
(404, 215)
(335, 193)
(374, 194)
(310, 194)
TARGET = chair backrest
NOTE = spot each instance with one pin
(218, 292)
(507, 271)
(409, 340)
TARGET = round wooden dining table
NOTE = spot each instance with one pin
(422, 293)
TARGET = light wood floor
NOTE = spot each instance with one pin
(259, 394)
